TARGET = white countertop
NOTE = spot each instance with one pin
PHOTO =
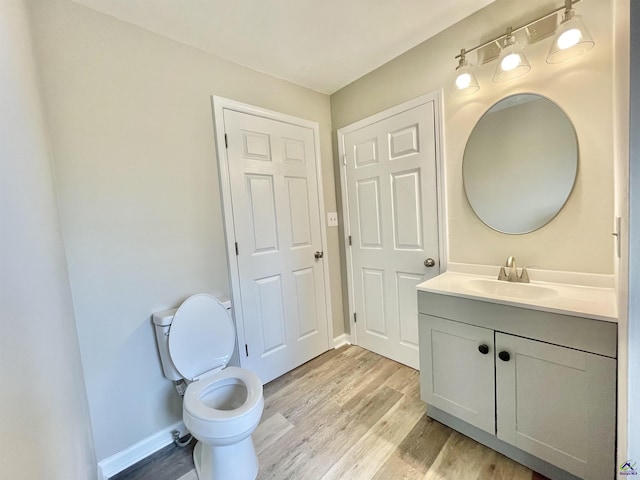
(589, 301)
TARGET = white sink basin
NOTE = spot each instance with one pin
(593, 300)
(525, 291)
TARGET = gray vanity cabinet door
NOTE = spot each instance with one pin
(557, 404)
(455, 376)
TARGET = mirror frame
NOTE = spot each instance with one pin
(570, 190)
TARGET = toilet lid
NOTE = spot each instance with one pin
(202, 336)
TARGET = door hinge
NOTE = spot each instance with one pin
(349, 240)
(246, 349)
(226, 141)
(355, 320)
(237, 249)
(344, 159)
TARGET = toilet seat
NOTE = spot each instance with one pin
(202, 336)
(194, 405)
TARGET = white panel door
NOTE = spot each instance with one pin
(457, 370)
(276, 219)
(391, 198)
(558, 404)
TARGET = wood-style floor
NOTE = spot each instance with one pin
(350, 414)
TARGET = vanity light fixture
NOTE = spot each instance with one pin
(465, 82)
(571, 40)
(512, 62)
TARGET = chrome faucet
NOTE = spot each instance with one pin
(513, 270)
(513, 276)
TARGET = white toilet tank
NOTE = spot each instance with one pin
(162, 322)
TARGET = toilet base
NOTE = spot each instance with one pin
(229, 462)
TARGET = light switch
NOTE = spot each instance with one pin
(332, 219)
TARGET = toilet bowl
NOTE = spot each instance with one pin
(222, 405)
(221, 411)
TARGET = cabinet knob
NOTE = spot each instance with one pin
(483, 349)
(504, 356)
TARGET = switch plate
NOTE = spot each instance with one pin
(332, 219)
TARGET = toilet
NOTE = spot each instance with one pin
(222, 405)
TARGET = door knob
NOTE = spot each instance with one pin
(504, 356)
(318, 255)
(429, 262)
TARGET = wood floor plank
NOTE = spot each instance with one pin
(319, 383)
(323, 424)
(403, 379)
(382, 370)
(417, 451)
(366, 457)
(270, 431)
(462, 457)
(396, 469)
(323, 391)
(287, 457)
(313, 364)
(321, 436)
(503, 468)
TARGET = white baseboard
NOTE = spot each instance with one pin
(340, 340)
(113, 465)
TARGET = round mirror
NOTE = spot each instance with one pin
(520, 163)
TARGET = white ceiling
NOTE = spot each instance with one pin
(319, 44)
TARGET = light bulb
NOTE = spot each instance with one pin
(572, 39)
(509, 62)
(569, 38)
(463, 81)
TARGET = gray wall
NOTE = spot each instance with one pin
(634, 240)
(44, 417)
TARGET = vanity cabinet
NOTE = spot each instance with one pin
(539, 387)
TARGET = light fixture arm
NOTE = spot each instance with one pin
(508, 40)
(568, 10)
(463, 59)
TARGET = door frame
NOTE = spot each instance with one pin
(436, 98)
(219, 104)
